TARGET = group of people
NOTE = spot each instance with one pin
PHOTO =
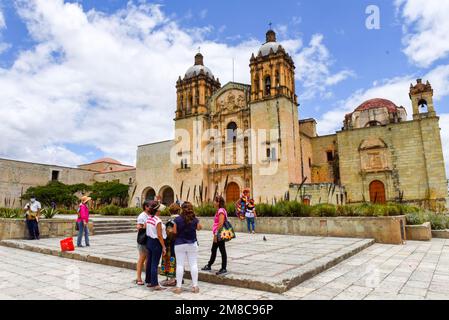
(32, 216)
(171, 244)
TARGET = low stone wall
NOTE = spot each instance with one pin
(389, 230)
(48, 228)
(442, 234)
(421, 232)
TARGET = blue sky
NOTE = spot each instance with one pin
(51, 49)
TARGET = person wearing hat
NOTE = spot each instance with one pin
(155, 244)
(32, 212)
(82, 221)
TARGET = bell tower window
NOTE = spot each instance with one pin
(268, 86)
(422, 104)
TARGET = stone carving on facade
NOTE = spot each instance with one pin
(374, 155)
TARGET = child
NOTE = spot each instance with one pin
(251, 216)
(242, 203)
(168, 264)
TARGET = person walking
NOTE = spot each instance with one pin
(32, 214)
(142, 240)
(155, 244)
(82, 221)
(186, 245)
(220, 217)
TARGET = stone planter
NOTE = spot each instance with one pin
(443, 234)
(48, 228)
(421, 232)
(383, 229)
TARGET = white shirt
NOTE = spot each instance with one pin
(249, 213)
(152, 223)
(34, 206)
(142, 218)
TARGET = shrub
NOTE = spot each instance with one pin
(68, 211)
(323, 210)
(49, 213)
(205, 210)
(129, 211)
(10, 213)
(230, 209)
(298, 209)
(165, 212)
(438, 221)
(110, 210)
(415, 218)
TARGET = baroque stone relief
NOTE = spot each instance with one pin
(230, 101)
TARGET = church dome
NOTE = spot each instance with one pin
(198, 67)
(107, 160)
(271, 44)
(377, 103)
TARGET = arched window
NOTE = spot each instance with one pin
(231, 131)
(268, 86)
(373, 123)
(422, 105)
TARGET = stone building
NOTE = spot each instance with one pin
(378, 155)
(250, 135)
(17, 176)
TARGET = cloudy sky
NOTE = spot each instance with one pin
(85, 79)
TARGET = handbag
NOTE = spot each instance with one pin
(142, 237)
(226, 232)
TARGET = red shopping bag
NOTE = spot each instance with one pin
(67, 244)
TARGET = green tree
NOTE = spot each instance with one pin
(108, 192)
(56, 191)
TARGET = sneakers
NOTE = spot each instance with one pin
(222, 271)
(206, 268)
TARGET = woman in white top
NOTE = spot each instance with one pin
(155, 244)
(142, 240)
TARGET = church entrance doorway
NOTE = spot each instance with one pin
(377, 192)
(232, 192)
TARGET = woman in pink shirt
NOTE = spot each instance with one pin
(220, 217)
(82, 221)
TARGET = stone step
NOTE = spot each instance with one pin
(114, 231)
(99, 226)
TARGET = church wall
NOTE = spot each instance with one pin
(103, 166)
(120, 176)
(322, 169)
(17, 176)
(307, 156)
(409, 146)
(285, 169)
(154, 169)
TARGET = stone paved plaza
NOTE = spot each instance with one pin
(416, 270)
(273, 265)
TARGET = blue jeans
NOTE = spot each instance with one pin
(33, 228)
(82, 229)
(153, 257)
(251, 222)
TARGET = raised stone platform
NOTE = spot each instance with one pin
(275, 265)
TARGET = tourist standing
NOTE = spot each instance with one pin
(155, 244)
(32, 214)
(251, 216)
(186, 245)
(168, 263)
(83, 221)
(220, 217)
(142, 240)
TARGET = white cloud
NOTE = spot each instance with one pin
(396, 90)
(426, 30)
(104, 81)
(313, 64)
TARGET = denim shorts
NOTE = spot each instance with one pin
(142, 248)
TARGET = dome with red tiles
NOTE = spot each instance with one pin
(377, 103)
(107, 160)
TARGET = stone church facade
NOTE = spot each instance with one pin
(377, 156)
(250, 136)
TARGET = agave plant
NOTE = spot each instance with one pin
(10, 213)
(49, 213)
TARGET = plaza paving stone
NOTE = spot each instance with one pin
(275, 265)
(55, 278)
